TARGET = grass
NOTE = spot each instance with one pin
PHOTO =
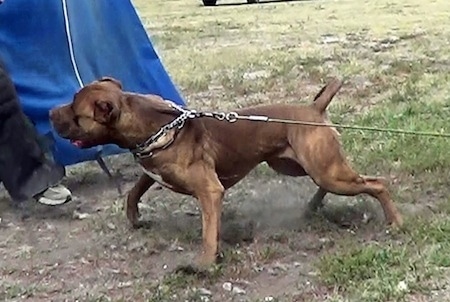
(407, 109)
(12, 291)
(406, 264)
(394, 62)
(211, 54)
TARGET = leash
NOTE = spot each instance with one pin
(232, 117)
(342, 126)
(144, 150)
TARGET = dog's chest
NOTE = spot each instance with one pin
(156, 177)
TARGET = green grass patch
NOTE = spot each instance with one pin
(404, 264)
(408, 108)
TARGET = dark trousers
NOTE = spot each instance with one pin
(24, 169)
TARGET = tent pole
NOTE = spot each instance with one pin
(105, 169)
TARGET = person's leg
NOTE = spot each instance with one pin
(24, 169)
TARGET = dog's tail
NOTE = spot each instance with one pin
(326, 94)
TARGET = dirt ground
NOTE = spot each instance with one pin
(86, 251)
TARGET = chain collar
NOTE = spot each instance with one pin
(155, 141)
(166, 135)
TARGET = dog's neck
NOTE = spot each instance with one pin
(141, 117)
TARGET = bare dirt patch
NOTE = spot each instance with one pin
(85, 250)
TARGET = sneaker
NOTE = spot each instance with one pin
(54, 196)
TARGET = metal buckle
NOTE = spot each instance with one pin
(220, 116)
(232, 117)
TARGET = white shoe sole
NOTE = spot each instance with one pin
(55, 196)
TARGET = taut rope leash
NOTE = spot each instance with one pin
(259, 118)
(234, 116)
(144, 150)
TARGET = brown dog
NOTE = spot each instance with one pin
(207, 156)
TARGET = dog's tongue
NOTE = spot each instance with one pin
(77, 143)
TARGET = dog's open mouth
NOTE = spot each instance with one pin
(77, 143)
(83, 143)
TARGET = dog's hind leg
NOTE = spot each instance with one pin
(289, 166)
(320, 154)
(316, 201)
(134, 197)
(340, 179)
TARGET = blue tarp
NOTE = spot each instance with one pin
(107, 39)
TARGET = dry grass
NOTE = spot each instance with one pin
(394, 57)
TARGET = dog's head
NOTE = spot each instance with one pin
(91, 118)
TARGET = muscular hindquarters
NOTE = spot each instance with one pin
(319, 152)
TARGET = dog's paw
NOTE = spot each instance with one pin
(142, 224)
(133, 214)
(192, 270)
(199, 271)
(396, 225)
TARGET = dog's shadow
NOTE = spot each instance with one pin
(273, 208)
(236, 227)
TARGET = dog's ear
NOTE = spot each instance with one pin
(112, 81)
(105, 112)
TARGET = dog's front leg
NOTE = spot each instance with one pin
(134, 197)
(211, 204)
(210, 196)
